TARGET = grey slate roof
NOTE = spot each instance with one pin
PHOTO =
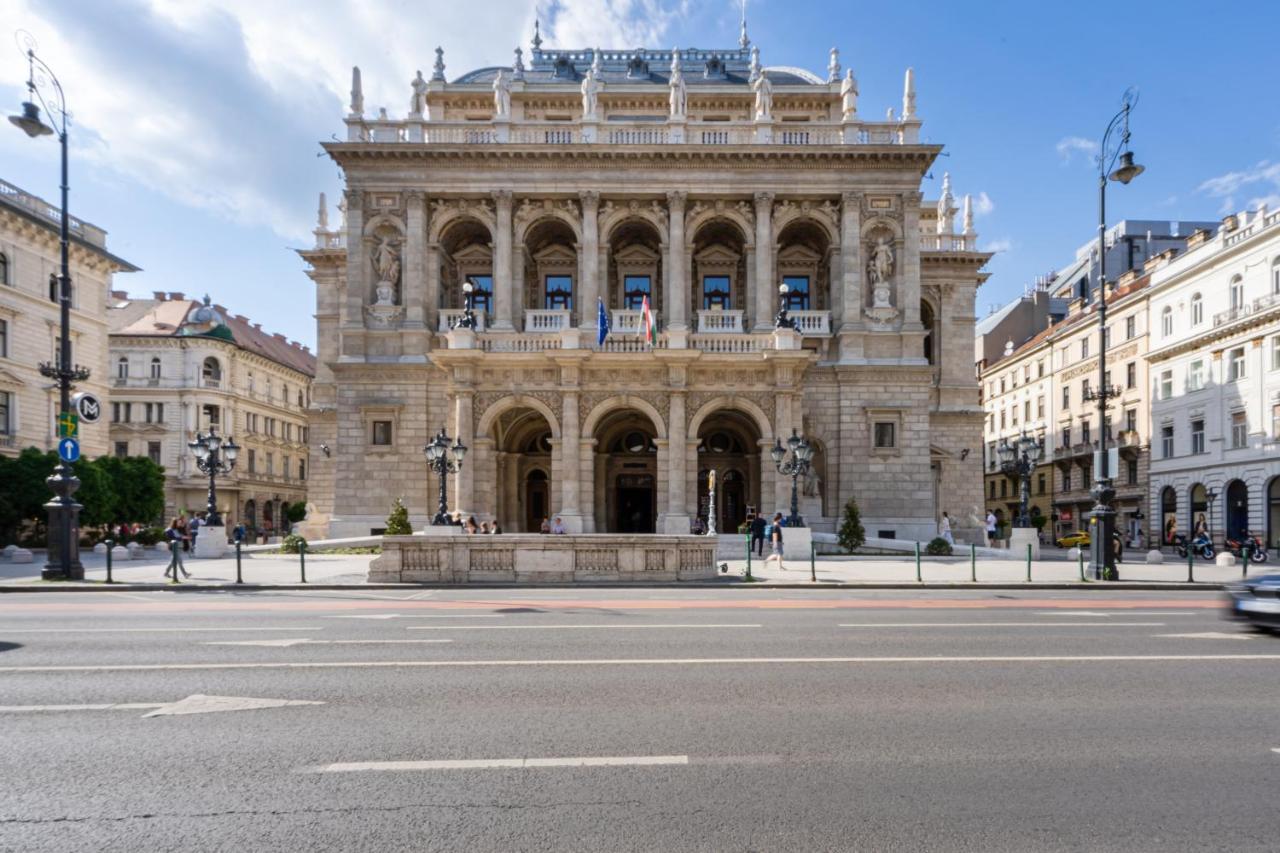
(699, 67)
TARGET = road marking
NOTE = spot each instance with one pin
(1275, 749)
(999, 624)
(413, 664)
(284, 644)
(566, 627)
(1102, 614)
(1212, 635)
(418, 616)
(154, 630)
(506, 763)
(195, 704)
(1072, 613)
(119, 706)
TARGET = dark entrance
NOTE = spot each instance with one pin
(535, 501)
(635, 504)
(1237, 510)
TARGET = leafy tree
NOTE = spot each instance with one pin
(295, 512)
(852, 536)
(96, 494)
(139, 486)
(25, 492)
(398, 520)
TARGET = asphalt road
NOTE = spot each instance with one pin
(562, 720)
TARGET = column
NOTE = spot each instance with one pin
(850, 257)
(589, 263)
(677, 520)
(909, 279)
(675, 296)
(357, 261)
(570, 456)
(764, 284)
(463, 498)
(503, 286)
(782, 429)
(413, 280)
(432, 289)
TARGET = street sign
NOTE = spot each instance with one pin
(68, 450)
(87, 407)
(1113, 462)
(68, 425)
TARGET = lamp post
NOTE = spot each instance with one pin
(782, 319)
(63, 561)
(1019, 458)
(1210, 496)
(468, 318)
(1101, 551)
(215, 457)
(793, 461)
(444, 460)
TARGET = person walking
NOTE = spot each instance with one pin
(774, 532)
(758, 525)
(991, 528)
(944, 529)
(175, 533)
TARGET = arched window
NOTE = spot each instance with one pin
(1237, 292)
(927, 320)
(1275, 275)
(4, 268)
(53, 287)
(155, 367)
(284, 393)
(122, 368)
(1197, 310)
(1166, 321)
(300, 404)
(212, 372)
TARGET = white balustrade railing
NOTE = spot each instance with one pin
(948, 242)
(544, 320)
(629, 321)
(449, 318)
(637, 135)
(719, 321)
(519, 343)
(612, 344)
(723, 343)
(811, 322)
(557, 133)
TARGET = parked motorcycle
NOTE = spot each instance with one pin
(1201, 546)
(1250, 543)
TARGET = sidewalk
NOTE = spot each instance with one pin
(273, 569)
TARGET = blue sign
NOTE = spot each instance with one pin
(68, 450)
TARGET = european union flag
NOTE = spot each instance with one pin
(602, 324)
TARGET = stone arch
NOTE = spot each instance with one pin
(930, 319)
(381, 221)
(624, 401)
(698, 217)
(634, 246)
(444, 213)
(735, 403)
(882, 222)
(803, 250)
(530, 217)
(517, 401)
(789, 213)
(612, 218)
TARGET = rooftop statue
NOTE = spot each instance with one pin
(679, 95)
(501, 95)
(764, 97)
(418, 103)
(849, 95)
(590, 90)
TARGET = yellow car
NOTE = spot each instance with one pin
(1079, 539)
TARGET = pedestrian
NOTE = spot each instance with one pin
(193, 530)
(545, 527)
(558, 527)
(497, 529)
(471, 526)
(758, 524)
(484, 528)
(240, 532)
(175, 533)
(944, 529)
(774, 531)
(1170, 530)
(991, 528)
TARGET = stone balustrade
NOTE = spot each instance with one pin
(719, 321)
(811, 322)
(449, 318)
(545, 320)
(452, 557)
(628, 321)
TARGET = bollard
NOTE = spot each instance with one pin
(748, 537)
(973, 563)
(813, 558)
(110, 544)
(302, 558)
(173, 562)
(1028, 562)
(238, 578)
(1191, 566)
(1244, 561)
(919, 579)
(1080, 561)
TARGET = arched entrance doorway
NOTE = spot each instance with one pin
(268, 517)
(1237, 509)
(729, 444)
(522, 465)
(537, 499)
(250, 514)
(1197, 508)
(626, 473)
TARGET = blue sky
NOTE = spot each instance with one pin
(197, 122)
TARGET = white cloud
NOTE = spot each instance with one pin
(1069, 146)
(982, 204)
(221, 104)
(1004, 244)
(1260, 185)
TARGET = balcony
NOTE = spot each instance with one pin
(541, 321)
(719, 321)
(1247, 310)
(628, 321)
(210, 382)
(812, 322)
(449, 318)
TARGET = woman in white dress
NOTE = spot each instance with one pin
(944, 529)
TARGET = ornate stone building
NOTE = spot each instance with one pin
(694, 181)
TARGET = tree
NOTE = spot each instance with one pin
(295, 512)
(25, 491)
(139, 485)
(96, 495)
(852, 536)
(398, 520)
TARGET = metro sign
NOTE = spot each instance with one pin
(87, 407)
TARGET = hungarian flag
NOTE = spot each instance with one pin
(647, 329)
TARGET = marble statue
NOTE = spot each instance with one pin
(418, 103)
(501, 95)
(679, 95)
(517, 67)
(386, 262)
(849, 95)
(764, 98)
(385, 294)
(590, 92)
(880, 270)
(812, 484)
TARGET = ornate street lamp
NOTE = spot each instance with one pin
(1019, 458)
(782, 320)
(793, 461)
(468, 318)
(63, 562)
(444, 460)
(215, 457)
(1101, 551)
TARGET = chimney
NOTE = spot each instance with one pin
(257, 327)
(1128, 277)
(158, 295)
(1198, 237)
(279, 337)
(119, 294)
(306, 349)
(176, 296)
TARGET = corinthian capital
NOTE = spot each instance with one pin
(590, 199)
(763, 200)
(502, 197)
(676, 199)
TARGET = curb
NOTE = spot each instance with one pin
(1101, 586)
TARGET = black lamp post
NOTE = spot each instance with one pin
(1019, 458)
(793, 461)
(214, 456)
(63, 561)
(444, 460)
(468, 318)
(782, 320)
(1102, 552)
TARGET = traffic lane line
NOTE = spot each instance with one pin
(643, 626)
(624, 662)
(118, 706)
(1001, 624)
(8, 631)
(502, 763)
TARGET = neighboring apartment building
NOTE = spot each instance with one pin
(178, 366)
(1129, 244)
(30, 323)
(1017, 395)
(1215, 377)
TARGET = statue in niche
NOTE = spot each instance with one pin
(880, 270)
(849, 95)
(764, 97)
(812, 484)
(501, 95)
(386, 263)
(590, 92)
(679, 95)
